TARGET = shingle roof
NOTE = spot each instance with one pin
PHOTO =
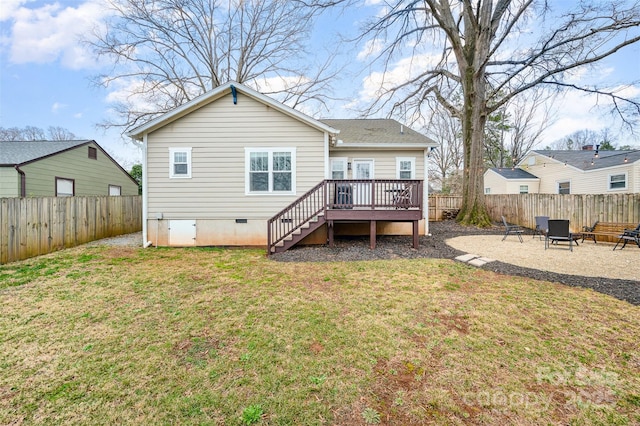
(376, 131)
(19, 152)
(516, 173)
(582, 159)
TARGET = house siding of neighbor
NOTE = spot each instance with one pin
(508, 181)
(575, 172)
(219, 136)
(50, 168)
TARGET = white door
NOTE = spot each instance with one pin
(362, 169)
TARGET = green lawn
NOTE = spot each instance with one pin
(106, 335)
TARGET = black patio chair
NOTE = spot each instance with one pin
(589, 229)
(559, 231)
(542, 225)
(512, 230)
(629, 235)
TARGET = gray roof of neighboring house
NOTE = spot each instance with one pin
(20, 152)
(582, 159)
(376, 131)
(515, 173)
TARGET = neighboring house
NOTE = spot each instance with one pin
(571, 172)
(60, 168)
(216, 169)
(507, 180)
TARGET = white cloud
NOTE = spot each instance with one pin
(371, 48)
(57, 106)
(9, 7)
(51, 32)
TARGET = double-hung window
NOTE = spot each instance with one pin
(406, 167)
(618, 181)
(524, 189)
(179, 163)
(564, 187)
(339, 168)
(270, 170)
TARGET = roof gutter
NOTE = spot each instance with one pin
(23, 181)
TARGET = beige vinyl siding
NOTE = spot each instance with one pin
(9, 182)
(218, 134)
(582, 182)
(384, 162)
(92, 177)
(497, 184)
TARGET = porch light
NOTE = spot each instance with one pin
(626, 160)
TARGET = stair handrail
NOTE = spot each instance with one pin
(291, 218)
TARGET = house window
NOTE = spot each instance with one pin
(532, 161)
(524, 189)
(487, 191)
(338, 168)
(270, 170)
(93, 153)
(618, 181)
(65, 187)
(406, 167)
(179, 162)
(564, 187)
(115, 190)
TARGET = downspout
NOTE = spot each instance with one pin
(23, 181)
(425, 193)
(145, 212)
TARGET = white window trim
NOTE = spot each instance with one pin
(344, 162)
(413, 166)
(525, 187)
(119, 190)
(269, 151)
(487, 191)
(172, 151)
(626, 181)
(562, 181)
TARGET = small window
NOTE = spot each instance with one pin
(93, 153)
(618, 181)
(564, 187)
(487, 191)
(524, 189)
(115, 190)
(338, 168)
(65, 187)
(406, 167)
(180, 162)
(532, 161)
(270, 170)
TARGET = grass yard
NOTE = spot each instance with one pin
(107, 335)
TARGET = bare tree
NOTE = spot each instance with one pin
(167, 52)
(486, 51)
(530, 117)
(32, 133)
(445, 162)
(57, 133)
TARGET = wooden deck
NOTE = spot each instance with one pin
(331, 201)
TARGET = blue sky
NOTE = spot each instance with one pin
(45, 73)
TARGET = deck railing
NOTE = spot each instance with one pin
(356, 194)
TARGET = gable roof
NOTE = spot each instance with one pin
(20, 152)
(583, 159)
(377, 132)
(215, 94)
(515, 173)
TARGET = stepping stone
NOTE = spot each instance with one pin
(466, 257)
(477, 262)
(487, 260)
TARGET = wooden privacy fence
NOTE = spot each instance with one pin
(443, 207)
(580, 209)
(34, 226)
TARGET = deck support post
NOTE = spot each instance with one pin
(372, 234)
(330, 232)
(415, 234)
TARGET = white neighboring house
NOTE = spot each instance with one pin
(217, 168)
(570, 172)
(510, 181)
